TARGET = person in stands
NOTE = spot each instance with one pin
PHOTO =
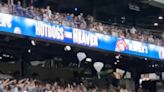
(19, 9)
(81, 22)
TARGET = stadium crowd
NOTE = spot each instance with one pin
(31, 85)
(81, 22)
(9, 83)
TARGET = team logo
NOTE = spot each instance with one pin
(121, 46)
(161, 53)
(17, 30)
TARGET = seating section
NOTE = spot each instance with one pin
(84, 22)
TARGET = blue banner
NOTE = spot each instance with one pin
(50, 31)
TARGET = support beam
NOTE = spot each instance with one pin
(136, 76)
(25, 66)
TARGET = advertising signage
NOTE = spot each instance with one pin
(64, 34)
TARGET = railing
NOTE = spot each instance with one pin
(69, 35)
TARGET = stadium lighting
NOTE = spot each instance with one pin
(117, 56)
(118, 61)
(33, 43)
(75, 9)
(156, 24)
(67, 48)
(160, 17)
(88, 59)
(29, 50)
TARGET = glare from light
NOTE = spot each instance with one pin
(88, 59)
(0, 57)
(67, 48)
(156, 24)
(115, 63)
(33, 43)
(160, 17)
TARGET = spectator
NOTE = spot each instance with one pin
(30, 12)
(69, 17)
(48, 12)
(90, 19)
(18, 9)
(133, 30)
(38, 14)
(151, 39)
(114, 32)
(45, 17)
(5, 9)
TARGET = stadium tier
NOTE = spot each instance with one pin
(46, 51)
(64, 33)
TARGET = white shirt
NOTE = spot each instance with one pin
(133, 30)
(114, 34)
(49, 13)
